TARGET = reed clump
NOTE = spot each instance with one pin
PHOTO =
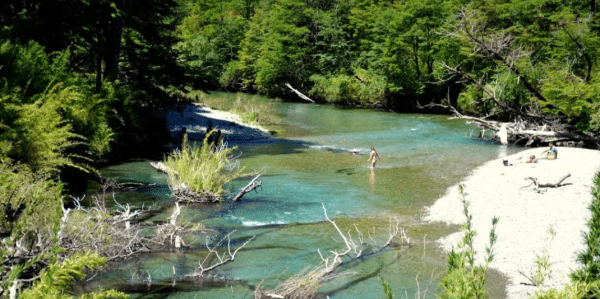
(203, 169)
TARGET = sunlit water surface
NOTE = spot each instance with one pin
(308, 167)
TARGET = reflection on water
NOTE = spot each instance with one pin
(372, 180)
(319, 159)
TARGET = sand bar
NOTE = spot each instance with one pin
(197, 118)
(526, 216)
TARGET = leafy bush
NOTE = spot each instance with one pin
(590, 257)
(464, 280)
(369, 89)
(202, 168)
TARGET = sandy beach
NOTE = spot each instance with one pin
(526, 216)
(196, 118)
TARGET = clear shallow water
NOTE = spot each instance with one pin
(307, 166)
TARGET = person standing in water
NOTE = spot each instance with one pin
(373, 156)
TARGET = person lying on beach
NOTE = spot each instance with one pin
(551, 153)
(373, 156)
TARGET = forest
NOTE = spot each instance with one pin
(81, 82)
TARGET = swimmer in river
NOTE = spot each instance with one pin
(373, 156)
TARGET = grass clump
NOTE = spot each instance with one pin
(203, 169)
(464, 280)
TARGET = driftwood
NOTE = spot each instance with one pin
(251, 186)
(529, 131)
(160, 166)
(538, 185)
(110, 184)
(183, 193)
(307, 282)
(302, 96)
(216, 258)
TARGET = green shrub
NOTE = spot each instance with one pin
(201, 168)
(464, 280)
(369, 89)
(55, 281)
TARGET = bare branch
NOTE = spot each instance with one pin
(223, 258)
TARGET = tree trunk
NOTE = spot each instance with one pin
(416, 56)
(113, 44)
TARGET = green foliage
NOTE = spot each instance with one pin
(365, 87)
(38, 198)
(387, 289)
(211, 34)
(58, 278)
(203, 168)
(465, 280)
(274, 48)
(590, 257)
(574, 290)
(554, 47)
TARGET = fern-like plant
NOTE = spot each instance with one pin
(55, 281)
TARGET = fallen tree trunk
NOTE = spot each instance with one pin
(160, 166)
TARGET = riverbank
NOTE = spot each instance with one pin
(198, 119)
(526, 216)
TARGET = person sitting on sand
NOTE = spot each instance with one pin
(373, 157)
(551, 153)
(532, 159)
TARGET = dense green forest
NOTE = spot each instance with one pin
(81, 80)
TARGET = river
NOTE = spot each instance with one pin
(307, 166)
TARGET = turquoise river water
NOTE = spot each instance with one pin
(307, 167)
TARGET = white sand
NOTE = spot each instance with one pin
(525, 215)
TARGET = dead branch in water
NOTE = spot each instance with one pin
(306, 283)
(223, 258)
(251, 186)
